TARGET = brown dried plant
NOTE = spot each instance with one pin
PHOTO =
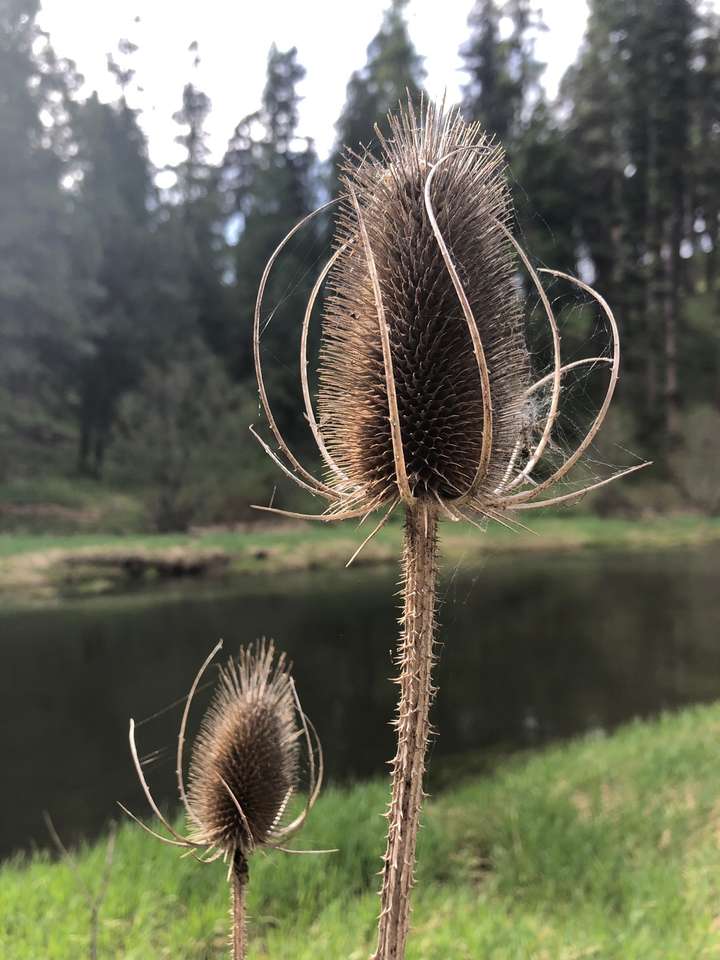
(426, 397)
(245, 767)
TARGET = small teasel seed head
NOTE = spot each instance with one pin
(436, 373)
(246, 757)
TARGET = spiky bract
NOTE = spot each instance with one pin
(245, 760)
(437, 381)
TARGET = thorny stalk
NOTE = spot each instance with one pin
(238, 885)
(414, 659)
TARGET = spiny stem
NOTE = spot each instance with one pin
(238, 882)
(415, 658)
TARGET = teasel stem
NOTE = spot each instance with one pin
(238, 884)
(415, 659)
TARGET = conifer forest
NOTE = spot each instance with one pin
(126, 306)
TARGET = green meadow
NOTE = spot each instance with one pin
(607, 847)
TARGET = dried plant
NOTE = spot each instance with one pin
(425, 396)
(245, 767)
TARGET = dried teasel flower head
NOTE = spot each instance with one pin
(245, 768)
(246, 759)
(421, 373)
(425, 381)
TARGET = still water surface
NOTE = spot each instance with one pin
(534, 647)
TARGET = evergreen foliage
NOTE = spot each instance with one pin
(392, 73)
(268, 184)
(38, 297)
(111, 285)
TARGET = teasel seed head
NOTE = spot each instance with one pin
(437, 381)
(246, 756)
(246, 760)
(426, 392)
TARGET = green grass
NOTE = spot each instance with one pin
(60, 504)
(605, 848)
(544, 531)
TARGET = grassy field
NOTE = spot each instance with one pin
(606, 848)
(32, 564)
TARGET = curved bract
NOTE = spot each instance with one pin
(424, 383)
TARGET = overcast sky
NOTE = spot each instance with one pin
(234, 38)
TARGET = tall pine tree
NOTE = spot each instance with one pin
(705, 205)
(139, 302)
(704, 211)
(629, 102)
(268, 184)
(195, 209)
(503, 72)
(393, 71)
(504, 94)
(38, 309)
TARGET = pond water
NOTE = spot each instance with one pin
(534, 647)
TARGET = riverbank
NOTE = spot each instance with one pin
(36, 566)
(608, 847)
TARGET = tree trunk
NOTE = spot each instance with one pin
(672, 318)
(99, 451)
(83, 447)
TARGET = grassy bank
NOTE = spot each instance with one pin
(605, 848)
(35, 564)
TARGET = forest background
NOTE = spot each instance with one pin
(127, 291)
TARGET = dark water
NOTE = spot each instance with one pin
(535, 647)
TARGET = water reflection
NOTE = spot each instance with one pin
(534, 647)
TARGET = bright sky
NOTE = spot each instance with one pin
(234, 38)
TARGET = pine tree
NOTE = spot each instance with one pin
(113, 223)
(673, 23)
(545, 183)
(195, 207)
(503, 73)
(137, 304)
(268, 184)
(37, 305)
(503, 92)
(194, 172)
(630, 114)
(392, 73)
(705, 208)
(594, 97)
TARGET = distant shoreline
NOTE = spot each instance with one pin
(36, 567)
